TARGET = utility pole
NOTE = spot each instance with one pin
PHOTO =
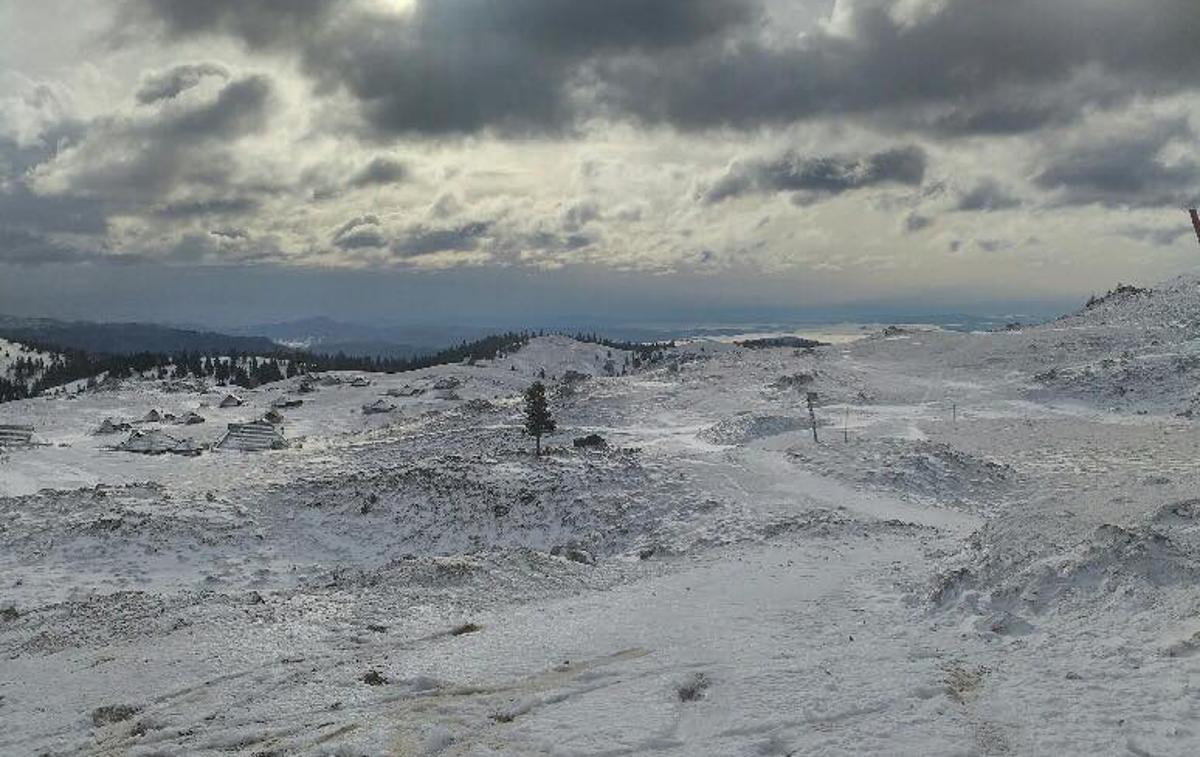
(846, 425)
(812, 415)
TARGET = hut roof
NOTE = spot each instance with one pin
(16, 436)
(378, 406)
(258, 436)
(109, 426)
(154, 442)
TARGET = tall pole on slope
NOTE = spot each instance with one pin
(1195, 222)
(812, 414)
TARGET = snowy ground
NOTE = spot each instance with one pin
(979, 557)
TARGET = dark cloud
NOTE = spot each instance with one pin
(419, 240)
(230, 232)
(819, 176)
(915, 222)
(994, 245)
(573, 29)
(359, 233)
(16, 159)
(260, 23)
(77, 215)
(136, 162)
(445, 206)
(20, 207)
(25, 248)
(963, 66)
(210, 207)
(547, 241)
(165, 85)
(380, 170)
(463, 66)
(239, 109)
(987, 195)
(1125, 171)
(193, 248)
(580, 214)
(454, 66)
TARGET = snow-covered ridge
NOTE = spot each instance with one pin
(1170, 306)
(22, 364)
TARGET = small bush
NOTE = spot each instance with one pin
(374, 678)
(113, 713)
(694, 688)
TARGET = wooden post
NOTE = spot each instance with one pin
(846, 426)
(955, 411)
(812, 414)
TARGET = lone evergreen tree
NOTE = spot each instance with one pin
(537, 414)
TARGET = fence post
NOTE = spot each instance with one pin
(812, 414)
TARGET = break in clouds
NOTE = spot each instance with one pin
(658, 135)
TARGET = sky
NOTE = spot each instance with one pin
(234, 161)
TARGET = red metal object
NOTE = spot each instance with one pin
(1195, 222)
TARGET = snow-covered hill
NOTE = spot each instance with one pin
(22, 364)
(974, 559)
(555, 355)
(1172, 307)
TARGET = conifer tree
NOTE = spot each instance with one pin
(538, 420)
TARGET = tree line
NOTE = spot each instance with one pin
(29, 377)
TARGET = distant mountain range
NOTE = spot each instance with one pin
(128, 338)
(325, 336)
(319, 336)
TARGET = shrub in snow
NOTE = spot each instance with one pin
(374, 678)
(591, 441)
(112, 713)
(694, 688)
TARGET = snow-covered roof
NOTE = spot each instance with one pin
(258, 436)
(154, 442)
(378, 406)
(15, 435)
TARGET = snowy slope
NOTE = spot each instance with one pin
(1172, 306)
(972, 561)
(558, 354)
(12, 352)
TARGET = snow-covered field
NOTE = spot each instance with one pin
(994, 549)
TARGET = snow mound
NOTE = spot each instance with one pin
(913, 468)
(1173, 305)
(934, 469)
(605, 505)
(746, 428)
(1157, 381)
(1127, 568)
(558, 354)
